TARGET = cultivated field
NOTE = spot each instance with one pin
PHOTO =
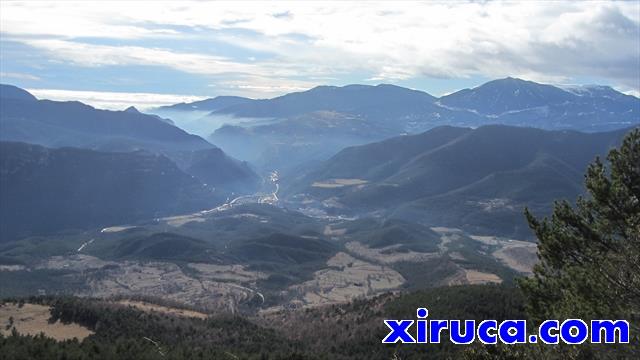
(338, 183)
(472, 277)
(516, 254)
(32, 319)
(149, 307)
(386, 255)
(346, 278)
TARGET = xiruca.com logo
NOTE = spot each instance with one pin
(570, 331)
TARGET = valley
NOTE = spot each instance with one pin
(319, 180)
(325, 232)
(221, 278)
(439, 208)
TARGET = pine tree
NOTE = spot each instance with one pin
(590, 254)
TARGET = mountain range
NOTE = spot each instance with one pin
(298, 123)
(53, 124)
(526, 103)
(214, 104)
(49, 190)
(123, 165)
(497, 169)
(476, 179)
(379, 193)
(508, 101)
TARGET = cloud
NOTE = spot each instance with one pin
(101, 55)
(556, 41)
(71, 19)
(113, 100)
(20, 76)
(260, 86)
(635, 93)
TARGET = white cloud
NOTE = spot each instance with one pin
(113, 100)
(260, 86)
(78, 19)
(21, 76)
(100, 55)
(553, 41)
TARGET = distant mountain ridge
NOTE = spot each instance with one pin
(499, 96)
(518, 102)
(23, 118)
(503, 101)
(383, 111)
(54, 123)
(213, 104)
(313, 125)
(16, 93)
(349, 99)
(47, 190)
(478, 179)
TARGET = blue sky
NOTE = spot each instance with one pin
(115, 54)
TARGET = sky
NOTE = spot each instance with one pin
(112, 54)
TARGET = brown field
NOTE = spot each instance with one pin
(487, 240)
(472, 277)
(516, 254)
(237, 273)
(149, 307)
(114, 229)
(177, 221)
(479, 277)
(385, 255)
(520, 256)
(338, 183)
(32, 319)
(76, 262)
(210, 286)
(167, 280)
(329, 231)
(345, 279)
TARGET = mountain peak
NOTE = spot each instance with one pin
(510, 82)
(503, 95)
(209, 104)
(389, 86)
(349, 98)
(132, 109)
(14, 92)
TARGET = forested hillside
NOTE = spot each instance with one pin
(350, 331)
